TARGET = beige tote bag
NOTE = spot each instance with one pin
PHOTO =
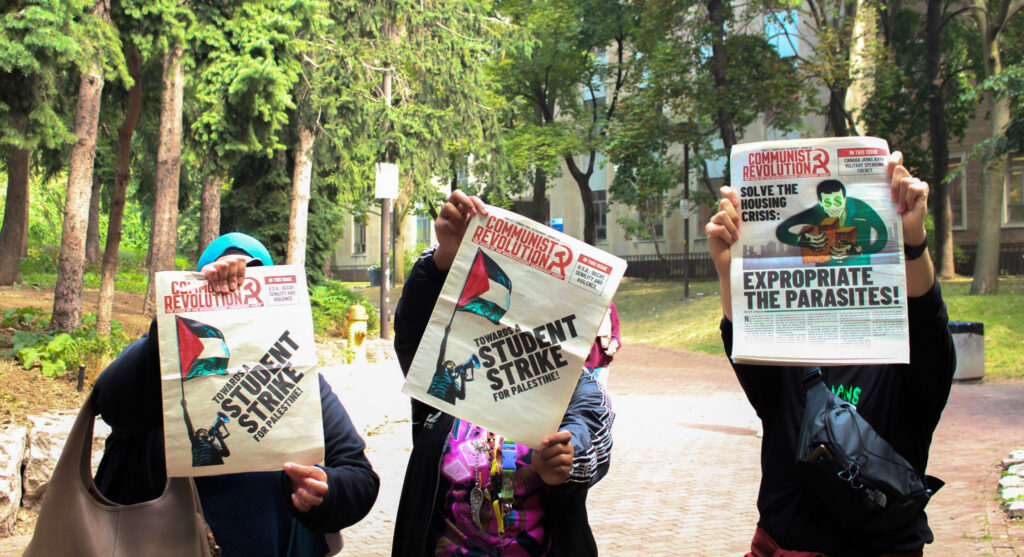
(76, 519)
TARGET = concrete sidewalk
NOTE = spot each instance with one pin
(685, 468)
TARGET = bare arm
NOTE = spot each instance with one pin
(911, 196)
(722, 230)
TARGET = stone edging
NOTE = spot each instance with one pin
(1011, 484)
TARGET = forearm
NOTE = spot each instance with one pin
(725, 287)
(920, 275)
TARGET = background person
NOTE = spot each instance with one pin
(902, 403)
(605, 346)
(251, 514)
(452, 501)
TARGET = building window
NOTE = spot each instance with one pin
(423, 226)
(1014, 213)
(650, 218)
(958, 190)
(600, 199)
(358, 238)
(780, 28)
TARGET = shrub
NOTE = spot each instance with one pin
(330, 301)
(54, 352)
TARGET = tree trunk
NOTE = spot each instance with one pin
(986, 266)
(209, 220)
(105, 307)
(719, 62)
(302, 174)
(15, 227)
(942, 210)
(163, 241)
(403, 204)
(67, 296)
(837, 112)
(92, 231)
(540, 188)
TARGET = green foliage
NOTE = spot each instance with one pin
(411, 255)
(897, 104)
(330, 302)
(54, 352)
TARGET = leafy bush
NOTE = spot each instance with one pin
(330, 301)
(54, 352)
(411, 255)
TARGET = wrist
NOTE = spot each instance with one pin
(912, 251)
(914, 237)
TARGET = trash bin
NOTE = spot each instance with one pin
(374, 276)
(969, 340)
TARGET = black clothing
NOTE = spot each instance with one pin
(902, 403)
(250, 514)
(589, 419)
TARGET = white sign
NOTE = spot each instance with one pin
(386, 180)
(238, 373)
(513, 325)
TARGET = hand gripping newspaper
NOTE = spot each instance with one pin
(514, 323)
(817, 274)
(238, 373)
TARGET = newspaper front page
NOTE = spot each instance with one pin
(817, 275)
(239, 381)
(513, 325)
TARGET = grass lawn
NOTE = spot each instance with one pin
(653, 312)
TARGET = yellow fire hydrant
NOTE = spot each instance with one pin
(356, 328)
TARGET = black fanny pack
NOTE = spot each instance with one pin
(858, 478)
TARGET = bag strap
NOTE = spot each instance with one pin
(811, 376)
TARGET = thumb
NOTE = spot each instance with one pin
(558, 438)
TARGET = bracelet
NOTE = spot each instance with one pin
(913, 252)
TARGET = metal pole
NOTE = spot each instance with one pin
(81, 378)
(686, 222)
(385, 242)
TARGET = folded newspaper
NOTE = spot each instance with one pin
(238, 373)
(817, 275)
(514, 323)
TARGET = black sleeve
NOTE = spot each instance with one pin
(412, 313)
(932, 354)
(422, 287)
(762, 384)
(128, 398)
(128, 390)
(352, 483)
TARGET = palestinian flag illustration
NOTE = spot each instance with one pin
(487, 291)
(201, 349)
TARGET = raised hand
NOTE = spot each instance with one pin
(451, 224)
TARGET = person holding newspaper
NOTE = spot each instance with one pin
(902, 403)
(469, 492)
(251, 514)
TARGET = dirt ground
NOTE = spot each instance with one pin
(25, 392)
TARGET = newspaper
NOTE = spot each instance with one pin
(238, 373)
(513, 326)
(817, 275)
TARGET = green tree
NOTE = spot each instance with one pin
(39, 41)
(992, 18)
(901, 89)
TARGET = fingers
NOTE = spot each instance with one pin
(557, 438)
(226, 274)
(895, 159)
(308, 485)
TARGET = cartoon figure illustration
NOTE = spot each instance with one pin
(487, 292)
(202, 351)
(838, 230)
(208, 446)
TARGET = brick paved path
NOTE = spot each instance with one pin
(685, 467)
